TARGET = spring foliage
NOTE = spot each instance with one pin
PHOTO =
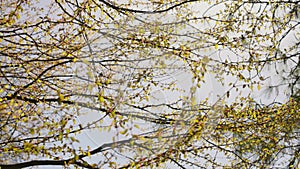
(69, 69)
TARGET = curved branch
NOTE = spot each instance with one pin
(145, 12)
(33, 163)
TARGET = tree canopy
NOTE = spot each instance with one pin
(122, 84)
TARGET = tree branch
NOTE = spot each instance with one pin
(145, 12)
